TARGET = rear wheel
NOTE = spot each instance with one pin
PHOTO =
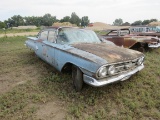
(141, 49)
(77, 77)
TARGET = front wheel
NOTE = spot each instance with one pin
(77, 78)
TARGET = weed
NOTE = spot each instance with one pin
(27, 82)
(18, 30)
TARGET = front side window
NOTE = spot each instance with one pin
(124, 32)
(52, 36)
(44, 35)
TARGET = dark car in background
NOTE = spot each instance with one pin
(123, 38)
(146, 30)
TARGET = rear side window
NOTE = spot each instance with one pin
(44, 35)
(52, 36)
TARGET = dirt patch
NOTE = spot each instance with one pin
(16, 77)
(103, 26)
(113, 112)
(20, 74)
(51, 111)
(64, 24)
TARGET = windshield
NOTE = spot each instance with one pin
(73, 35)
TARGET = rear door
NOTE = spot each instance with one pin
(115, 38)
(41, 51)
(49, 47)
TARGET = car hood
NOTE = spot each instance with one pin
(103, 53)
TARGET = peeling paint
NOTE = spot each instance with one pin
(127, 40)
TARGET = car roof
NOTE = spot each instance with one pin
(57, 27)
(115, 29)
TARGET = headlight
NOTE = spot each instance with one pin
(111, 70)
(140, 61)
(102, 72)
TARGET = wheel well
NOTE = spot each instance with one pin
(67, 68)
(138, 45)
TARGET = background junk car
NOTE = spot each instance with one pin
(123, 38)
(146, 30)
(81, 51)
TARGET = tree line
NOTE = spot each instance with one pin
(48, 20)
(119, 22)
(45, 20)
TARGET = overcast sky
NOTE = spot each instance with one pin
(97, 10)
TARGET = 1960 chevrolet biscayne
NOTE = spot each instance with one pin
(91, 60)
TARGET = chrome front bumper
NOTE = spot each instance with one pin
(97, 83)
(154, 46)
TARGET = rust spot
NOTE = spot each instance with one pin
(127, 40)
(109, 53)
(39, 40)
(154, 34)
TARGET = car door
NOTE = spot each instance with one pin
(116, 38)
(49, 47)
(41, 51)
(52, 48)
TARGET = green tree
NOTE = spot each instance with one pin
(145, 22)
(118, 22)
(9, 23)
(29, 20)
(2, 25)
(65, 19)
(153, 20)
(126, 24)
(84, 21)
(138, 22)
(75, 19)
(37, 21)
(18, 20)
(48, 20)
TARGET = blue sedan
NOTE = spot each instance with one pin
(91, 60)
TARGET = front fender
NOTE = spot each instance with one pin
(86, 65)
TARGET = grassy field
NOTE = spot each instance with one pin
(18, 30)
(32, 89)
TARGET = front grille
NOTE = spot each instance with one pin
(122, 67)
(125, 66)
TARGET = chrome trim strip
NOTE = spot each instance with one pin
(134, 60)
(154, 46)
(97, 83)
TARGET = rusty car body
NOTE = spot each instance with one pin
(123, 38)
(154, 34)
(81, 51)
(146, 31)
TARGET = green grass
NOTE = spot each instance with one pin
(136, 98)
(18, 30)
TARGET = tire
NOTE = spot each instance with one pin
(141, 49)
(77, 78)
